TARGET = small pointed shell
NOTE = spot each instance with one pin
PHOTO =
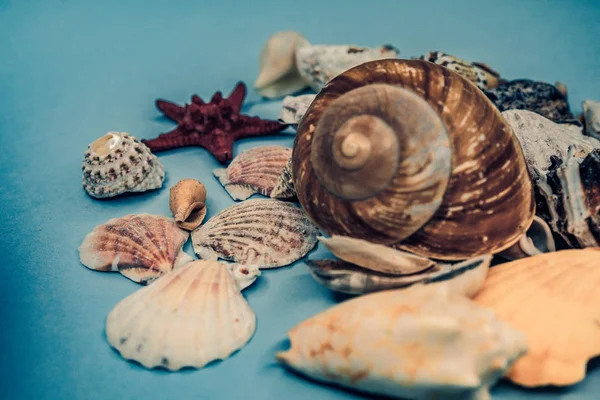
(141, 247)
(254, 171)
(417, 343)
(293, 109)
(188, 318)
(376, 257)
(279, 75)
(465, 278)
(591, 115)
(188, 203)
(284, 188)
(537, 240)
(265, 233)
(553, 298)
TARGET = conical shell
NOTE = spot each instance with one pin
(254, 171)
(278, 74)
(264, 233)
(188, 203)
(418, 343)
(591, 115)
(141, 247)
(553, 298)
(188, 318)
(284, 187)
(293, 109)
(465, 278)
(478, 73)
(118, 163)
(455, 186)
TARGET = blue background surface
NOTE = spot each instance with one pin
(72, 70)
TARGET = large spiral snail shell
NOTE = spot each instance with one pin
(410, 154)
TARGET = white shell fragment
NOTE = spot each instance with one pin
(284, 187)
(417, 343)
(118, 163)
(318, 64)
(465, 278)
(141, 247)
(279, 75)
(188, 318)
(244, 275)
(254, 171)
(591, 115)
(375, 257)
(264, 233)
(293, 108)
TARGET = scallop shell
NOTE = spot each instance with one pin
(553, 298)
(264, 233)
(417, 343)
(478, 73)
(141, 247)
(188, 318)
(293, 109)
(118, 163)
(591, 115)
(188, 203)
(284, 188)
(318, 64)
(465, 278)
(254, 171)
(539, 97)
(279, 75)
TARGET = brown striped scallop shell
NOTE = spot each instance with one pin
(265, 233)
(411, 154)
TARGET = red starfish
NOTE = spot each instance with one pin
(214, 125)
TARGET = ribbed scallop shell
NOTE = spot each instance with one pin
(118, 163)
(553, 298)
(254, 171)
(416, 343)
(188, 318)
(141, 247)
(265, 233)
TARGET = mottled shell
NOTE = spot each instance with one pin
(591, 115)
(416, 343)
(470, 191)
(141, 247)
(284, 187)
(187, 202)
(118, 163)
(188, 318)
(553, 298)
(254, 171)
(293, 108)
(264, 233)
(478, 73)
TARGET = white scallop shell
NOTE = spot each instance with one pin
(188, 318)
(265, 233)
(118, 163)
(141, 247)
(591, 114)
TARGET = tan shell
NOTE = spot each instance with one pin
(440, 176)
(188, 203)
(553, 298)
(537, 240)
(479, 73)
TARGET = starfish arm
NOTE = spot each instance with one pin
(248, 127)
(197, 100)
(236, 98)
(170, 110)
(165, 141)
(219, 144)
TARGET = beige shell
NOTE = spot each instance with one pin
(553, 298)
(293, 109)
(537, 240)
(284, 187)
(188, 318)
(188, 203)
(478, 73)
(416, 343)
(591, 115)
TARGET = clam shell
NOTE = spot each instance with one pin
(553, 298)
(375, 257)
(188, 318)
(254, 171)
(188, 203)
(118, 163)
(293, 108)
(318, 64)
(591, 115)
(284, 187)
(478, 73)
(278, 74)
(141, 247)
(465, 278)
(417, 343)
(264, 233)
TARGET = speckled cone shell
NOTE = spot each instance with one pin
(264, 233)
(254, 171)
(187, 202)
(553, 298)
(284, 187)
(118, 163)
(471, 194)
(141, 247)
(188, 318)
(418, 343)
